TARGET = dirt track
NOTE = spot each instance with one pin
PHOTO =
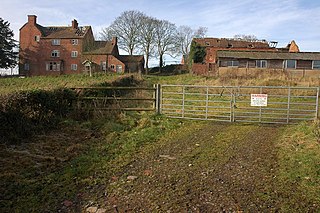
(213, 168)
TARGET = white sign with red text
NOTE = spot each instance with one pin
(259, 99)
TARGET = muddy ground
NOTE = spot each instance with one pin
(215, 168)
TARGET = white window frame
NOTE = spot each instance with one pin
(317, 67)
(295, 64)
(261, 63)
(233, 63)
(55, 53)
(119, 69)
(103, 65)
(55, 42)
(74, 41)
(74, 67)
(37, 38)
(53, 66)
(74, 54)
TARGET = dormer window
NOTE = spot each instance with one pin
(55, 42)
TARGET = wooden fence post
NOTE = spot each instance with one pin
(158, 98)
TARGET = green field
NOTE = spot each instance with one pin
(142, 162)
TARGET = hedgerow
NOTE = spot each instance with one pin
(25, 113)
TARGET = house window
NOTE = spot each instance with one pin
(74, 54)
(119, 69)
(37, 38)
(55, 42)
(112, 66)
(74, 66)
(261, 63)
(74, 41)
(233, 63)
(316, 64)
(290, 64)
(26, 67)
(55, 53)
(53, 66)
(103, 65)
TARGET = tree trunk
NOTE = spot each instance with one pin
(161, 62)
(147, 61)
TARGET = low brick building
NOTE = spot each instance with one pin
(237, 57)
(56, 50)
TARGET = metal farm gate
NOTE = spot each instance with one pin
(261, 104)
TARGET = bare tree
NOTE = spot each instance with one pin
(201, 32)
(147, 37)
(126, 28)
(242, 37)
(185, 36)
(165, 38)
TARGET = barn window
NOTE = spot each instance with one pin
(316, 64)
(261, 63)
(233, 63)
(207, 43)
(290, 64)
(112, 66)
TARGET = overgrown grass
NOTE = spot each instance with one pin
(96, 151)
(299, 169)
(10, 85)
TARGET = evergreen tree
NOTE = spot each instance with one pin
(8, 57)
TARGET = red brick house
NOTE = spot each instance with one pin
(56, 50)
(239, 57)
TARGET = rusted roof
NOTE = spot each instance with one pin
(268, 55)
(131, 58)
(232, 43)
(63, 32)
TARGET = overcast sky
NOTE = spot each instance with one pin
(273, 20)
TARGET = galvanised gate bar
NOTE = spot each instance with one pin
(284, 105)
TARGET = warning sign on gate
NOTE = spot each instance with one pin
(259, 99)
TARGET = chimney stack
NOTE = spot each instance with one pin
(32, 19)
(74, 24)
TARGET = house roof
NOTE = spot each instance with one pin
(130, 58)
(268, 55)
(232, 43)
(63, 32)
(102, 48)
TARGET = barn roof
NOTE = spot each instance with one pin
(268, 55)
(231, 43)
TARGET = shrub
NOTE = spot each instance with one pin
(22, 114)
